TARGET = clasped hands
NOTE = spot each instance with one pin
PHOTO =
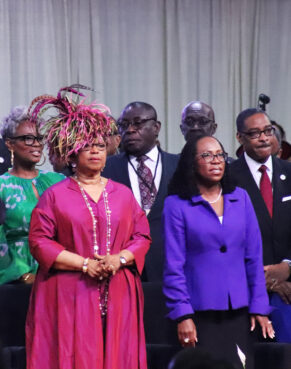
(276, 280)
(103, 266)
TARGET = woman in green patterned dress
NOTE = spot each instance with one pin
(20, 189)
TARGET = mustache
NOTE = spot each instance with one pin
(264, 145)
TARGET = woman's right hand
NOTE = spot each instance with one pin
(187, 333)
(95, 269)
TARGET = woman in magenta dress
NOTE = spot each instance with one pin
(90, 238)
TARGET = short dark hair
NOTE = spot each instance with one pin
(184, 180)
(245, 114)
(138, 104)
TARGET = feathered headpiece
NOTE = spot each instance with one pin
(75, 123)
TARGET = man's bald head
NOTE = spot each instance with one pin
(197, 118)
(140, 105)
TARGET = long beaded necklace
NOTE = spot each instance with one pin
(103, 297)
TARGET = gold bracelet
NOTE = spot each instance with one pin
(85, 265)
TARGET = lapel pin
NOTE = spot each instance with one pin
(282, 177)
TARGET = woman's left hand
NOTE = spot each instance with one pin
(265, 323)
(27, 278)
(110, 263)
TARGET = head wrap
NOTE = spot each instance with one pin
(74, 124)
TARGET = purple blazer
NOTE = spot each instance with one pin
(208, 263)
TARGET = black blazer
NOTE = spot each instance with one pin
(117, 169)
(276, 231)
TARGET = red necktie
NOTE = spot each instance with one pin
(266, 189)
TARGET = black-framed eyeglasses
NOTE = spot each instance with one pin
(191, 121)
(124, 124)
(208, 157)
(29, 140)
(99, 146)
(257, 133)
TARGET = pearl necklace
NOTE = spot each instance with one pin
(103, 298)
(218, 197)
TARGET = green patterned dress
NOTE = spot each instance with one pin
(19, 199)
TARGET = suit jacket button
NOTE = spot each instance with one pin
(223, 249)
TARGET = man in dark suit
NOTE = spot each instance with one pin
(267, 180)
(139, 129)
(197, 118)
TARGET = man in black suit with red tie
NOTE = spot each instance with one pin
(267, 180)
(146, 170)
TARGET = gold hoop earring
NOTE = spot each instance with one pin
(12, 158)
(44, 159)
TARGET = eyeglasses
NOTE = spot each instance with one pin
(257, 133)
(124, 124)
(209, 157)
(191, 122)
(99, 146)
(29, 140)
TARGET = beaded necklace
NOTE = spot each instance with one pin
(103, 295)
(218, 197)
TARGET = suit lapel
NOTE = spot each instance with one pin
(246, 181)
(123, 170)
(163, 188)
(278, 182)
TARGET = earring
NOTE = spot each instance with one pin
(73, 165)
(12, 158)
(44, 159)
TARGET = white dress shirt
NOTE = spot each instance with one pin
(254, 167)
(151, 163)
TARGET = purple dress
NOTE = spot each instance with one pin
(215, 271)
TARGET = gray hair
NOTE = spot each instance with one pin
(17, 115)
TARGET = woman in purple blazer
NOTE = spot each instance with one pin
(213, 278)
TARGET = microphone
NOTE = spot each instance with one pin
(263, 100)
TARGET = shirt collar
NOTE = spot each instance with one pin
(233, 196)
(255, 165)
(152, 154)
